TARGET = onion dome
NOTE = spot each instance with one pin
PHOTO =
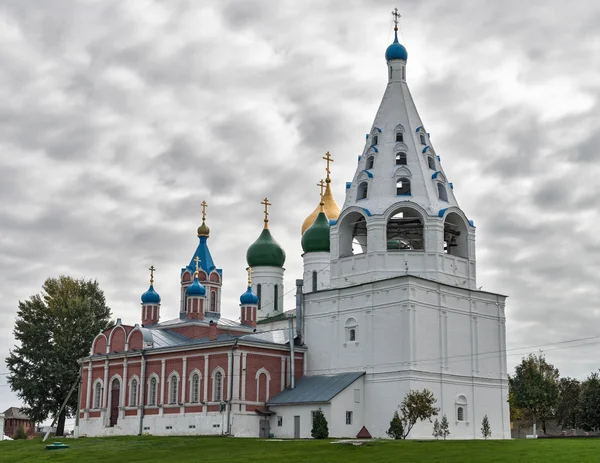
(196, 289)
(249, 298)
(150, 296)
(331, 208)
(265, 252)
(316, 237)
(396, 50)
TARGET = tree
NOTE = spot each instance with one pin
(589, 405)
(416, 406)
(485, 427)
(53, 330)
(320, 429)
(20, 434)
(444, 431)
(567, 409)
(534, 388)
(396, 430)
(436, 429)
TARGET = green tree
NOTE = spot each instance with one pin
(396, 430)
(444, 431)
(21, 434)
(53, 330)
(485, 427)
(436, 429)
(534, 388)
(416, 406)
(320, 429)
(567, 409)
(589, 405)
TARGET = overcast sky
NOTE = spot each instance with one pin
(118, 118)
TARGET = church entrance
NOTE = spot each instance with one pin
(115, 394)
(265, 429)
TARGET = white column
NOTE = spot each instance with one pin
(282, 373)
(162, 387)
(103, 413)
(183, 382)
(243, 408)
(89, 391)
(123, 398)
(206, 381)
(236, 377)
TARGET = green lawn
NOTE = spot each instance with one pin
(226, 450)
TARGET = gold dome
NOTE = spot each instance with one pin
(331, 209)
(203, 230)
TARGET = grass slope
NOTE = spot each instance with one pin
(220, 449)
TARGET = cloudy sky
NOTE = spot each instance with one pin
(119, 118)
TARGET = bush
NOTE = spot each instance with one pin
(396, 430)
(319, 427)
(436, 429)
(21, 434)
(444, 431)
(485, 427)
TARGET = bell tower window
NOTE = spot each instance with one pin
(403, 186)
(400, 159)
(363, 191)
(370, 162)
(314, 281)
(430, 163)
(422, 137)
(258, 294)
(375, 139)
(399, 137)
(442, 192)
(405, 230)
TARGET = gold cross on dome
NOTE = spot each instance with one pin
(197, 260)
(266, 203)
(329, 159)
(249, 276)
(322, 185)
(204, 206)
(152, 269)
(396, 16)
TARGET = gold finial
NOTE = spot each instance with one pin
(152, 269)
(396, 16)
(249, 276)
(266, 203)
(203, 230)
(322, 203)
(329, 159)
(197, 272)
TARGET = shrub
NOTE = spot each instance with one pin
(319, 427)
(485, 427)
(444, 431)
(396, 430)
(21, 434)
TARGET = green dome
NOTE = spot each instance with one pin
(265, 252)
(316, 237)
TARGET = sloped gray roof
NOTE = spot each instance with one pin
(15, 412)
(315, 389)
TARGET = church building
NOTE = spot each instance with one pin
(387, 303)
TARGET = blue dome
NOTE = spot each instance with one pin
(396, 50)
(196, 289)
(150, 296)
(249, 298)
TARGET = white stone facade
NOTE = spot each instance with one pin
(270, 280)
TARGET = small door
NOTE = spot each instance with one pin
(115, 395)
(265, 429)
(296, 427)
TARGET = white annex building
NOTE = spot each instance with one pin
(388, 303)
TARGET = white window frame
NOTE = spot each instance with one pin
(461, 402)
(351, 325)
(97, 394)
(134, 391)
(152, 400)
(214, 384)
(198, 389)
(260, 372)
(173, 391)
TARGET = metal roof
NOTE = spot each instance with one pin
(16, 413)
(315, 389)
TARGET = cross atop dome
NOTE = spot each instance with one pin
(396, 16)
(152, 269)
(266, 203)
(203, 229)
(396, 50)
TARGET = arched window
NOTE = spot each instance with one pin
(405, 230)
(217, 386)
(363, 191)
(152, 390)
(461, 408)
(442, 192)
(403, 186)
(263, 378)
(213, 301)
(430, 162)
(375, 139)
(314, 281)
(351, 330)
(259, 294)
(195, 388)
(370, 162)
(133, 392)
(422, 138)
(399, 137)
(276, 297)
(98, 394)
(173, 388)
(456, 235)
(400, 159)
(353, 235)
